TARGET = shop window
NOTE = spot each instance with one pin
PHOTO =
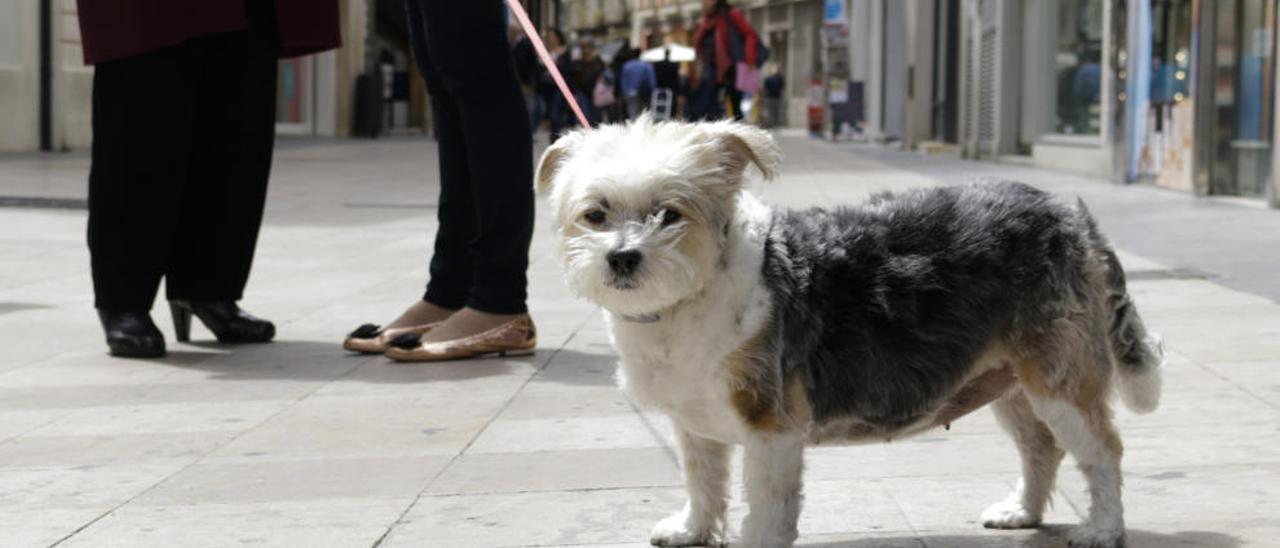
(1170, 52)
(1243, 96)
(1078, 67)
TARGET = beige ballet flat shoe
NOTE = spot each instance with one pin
(372, 339)
(517, 337)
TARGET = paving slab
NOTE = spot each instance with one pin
(532, 519)
(336, 523)
(479, 473)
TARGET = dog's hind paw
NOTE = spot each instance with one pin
(1009, 515)
(1085, 536)
(677, 530)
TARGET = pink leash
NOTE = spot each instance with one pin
(547, 61)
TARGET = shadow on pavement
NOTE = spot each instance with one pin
(1049, 536)
(318, 361)
(8, 307)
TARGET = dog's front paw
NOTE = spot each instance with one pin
(681, 529)
(1009, 514)
(1088, 536)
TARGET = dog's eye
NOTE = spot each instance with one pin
(670, 216)
(594, 217)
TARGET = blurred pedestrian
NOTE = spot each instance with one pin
(773, 86)
(475, 299)
(556, 109)
(585, 74)
(723, 39)
(184, 99)
(638, 83)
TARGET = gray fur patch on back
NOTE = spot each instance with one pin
(884, 307)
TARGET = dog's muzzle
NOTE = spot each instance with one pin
(624, 262)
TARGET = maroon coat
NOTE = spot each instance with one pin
(115, 29)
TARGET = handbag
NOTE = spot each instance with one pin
(747, 79)
(602, 96)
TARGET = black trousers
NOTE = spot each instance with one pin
(486, 155)
(182, 143)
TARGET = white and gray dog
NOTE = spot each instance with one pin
(773, 329)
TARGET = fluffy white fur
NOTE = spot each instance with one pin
(699, 170)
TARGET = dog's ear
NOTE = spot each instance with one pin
(553, 158)
(743, 145)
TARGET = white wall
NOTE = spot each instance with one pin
(919, 42)
(20, 78)
(806, 20)
(19, 75)
(1039, 78)
(72, 82)
(895, 69)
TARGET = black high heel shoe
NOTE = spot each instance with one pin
(228, 322)
(132, 334)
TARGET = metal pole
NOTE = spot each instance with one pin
(46, 74)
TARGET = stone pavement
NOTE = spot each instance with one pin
(297, 444)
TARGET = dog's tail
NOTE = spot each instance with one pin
(1138, 355)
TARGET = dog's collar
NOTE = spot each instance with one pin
(642, 318)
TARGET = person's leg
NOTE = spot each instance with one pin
(467, 47)
(451, 266)
(556, 113)
(588, 109)
(231, 163)
(538, 109)
(142, 127)
(633, 106)
(702, 102)
(735, 101)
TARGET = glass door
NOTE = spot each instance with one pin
(1255, 85)
(1243, 88)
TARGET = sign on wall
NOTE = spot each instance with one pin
(833, 12)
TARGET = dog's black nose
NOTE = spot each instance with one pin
(624, 261)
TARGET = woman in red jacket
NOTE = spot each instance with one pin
(722, 28)
(183, 130)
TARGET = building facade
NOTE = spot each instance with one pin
(1180, 93)
(789, 28)
(46, 89)
(44, 86)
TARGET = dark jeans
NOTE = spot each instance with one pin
(557, 113)
(182, 143)
(706, 102)
(537, 110)
(735, 101)
(589, 109)
(486, 155)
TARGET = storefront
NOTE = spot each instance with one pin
(792, 32)
(1167, 146)
(1235, 97)
(1068, 103)
(1209, 125)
